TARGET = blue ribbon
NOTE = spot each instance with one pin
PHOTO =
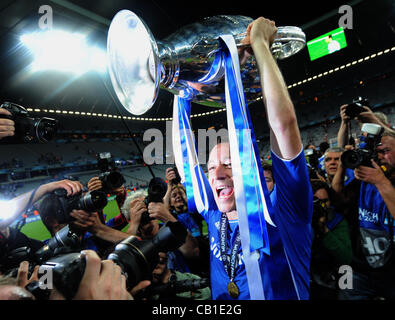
(251, 169)
(252, 198)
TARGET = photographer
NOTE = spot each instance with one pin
(12, 238)
(102, 280)
(118, 222)
(87, 226)
(103, 233)
(371, 203)
(144, 222)
(331, 242)
(365, 115)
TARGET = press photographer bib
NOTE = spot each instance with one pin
(376, 227)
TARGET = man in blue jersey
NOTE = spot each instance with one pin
(371, 197)
(285, 272)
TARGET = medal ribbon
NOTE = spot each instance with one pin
(229, 262)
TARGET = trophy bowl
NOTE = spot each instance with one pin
(187, 63)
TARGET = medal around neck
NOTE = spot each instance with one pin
(233, 290)
(188, 63)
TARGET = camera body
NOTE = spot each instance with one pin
(65, 240)
(29, 129)
(367, 150)
(356, 107)
(109, 177)
(91, 201)
(177, 179)
(156, 191)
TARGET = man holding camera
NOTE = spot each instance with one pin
(144, 222)
(371, 198)
(364, 115)
(7, 126)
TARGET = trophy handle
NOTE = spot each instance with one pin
(288, 41)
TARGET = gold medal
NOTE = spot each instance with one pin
(233, 290)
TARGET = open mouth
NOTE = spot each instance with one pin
(224, 192)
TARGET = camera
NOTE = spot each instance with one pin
(356, 107)
(156, 191)
(64, 241)
(367, 150)
(29, 129)
(177, 179)
(91, 201)
(109, 177)
(137, 259)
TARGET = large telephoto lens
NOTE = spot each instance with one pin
(139, 258)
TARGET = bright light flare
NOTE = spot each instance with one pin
(63, 51)
(7, 209)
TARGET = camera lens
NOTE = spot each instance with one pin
(115, 179)
(351, 159)
(93, 201)
(45, 129)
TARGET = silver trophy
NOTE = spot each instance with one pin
(188, 63)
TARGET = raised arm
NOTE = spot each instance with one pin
(18, 205)
(285, 137)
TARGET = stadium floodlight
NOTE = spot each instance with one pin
(64, 51)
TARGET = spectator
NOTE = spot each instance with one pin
(331, 162)
(198, 256)
(331, 243)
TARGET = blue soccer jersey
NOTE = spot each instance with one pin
(285, 272)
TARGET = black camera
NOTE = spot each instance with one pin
(156, 191)
(137, 259)
(367, 150)
(29, 129)
(91, 201)
(177, 179)
(109, 177)
(356, 107)
(64, 241)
